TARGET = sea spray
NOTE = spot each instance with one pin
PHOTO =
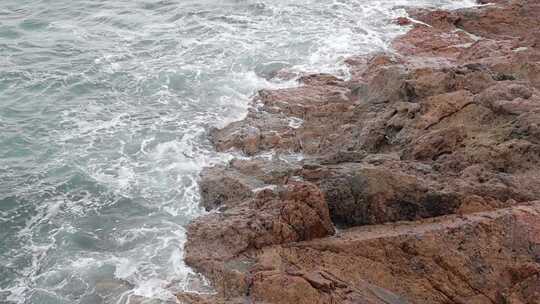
(104, 112)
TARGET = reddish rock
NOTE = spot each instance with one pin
(219, 187)
(295, 213)
(489, 257)
(403, 21)
(445, 20)
(439, 141)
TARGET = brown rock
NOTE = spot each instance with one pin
(439, 140)
(296, 213)
(219, 186)
(403, 21)
(480, 258)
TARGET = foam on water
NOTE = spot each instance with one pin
(104, 112)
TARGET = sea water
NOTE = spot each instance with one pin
(104, 111)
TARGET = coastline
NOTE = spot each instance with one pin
(426, 160)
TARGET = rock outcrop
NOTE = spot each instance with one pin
(427, 160)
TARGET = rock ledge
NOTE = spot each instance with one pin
(427, 161)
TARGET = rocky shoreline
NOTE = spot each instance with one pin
(418, 178)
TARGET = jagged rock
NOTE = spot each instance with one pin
(219, 187)
(295, 213)
(224, 186)
(439, 140)
(490, 257)
(487, 257)
(366, 194)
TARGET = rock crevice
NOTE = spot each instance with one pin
(427, 161)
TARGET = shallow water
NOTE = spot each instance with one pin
(104, 107)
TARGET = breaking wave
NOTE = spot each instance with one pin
(104, 110)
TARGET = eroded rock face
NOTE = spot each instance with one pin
(489, 257)
(295, 212)
(439, 141)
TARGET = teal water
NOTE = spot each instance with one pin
(104, 107)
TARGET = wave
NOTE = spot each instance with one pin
(104, 113)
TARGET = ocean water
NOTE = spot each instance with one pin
(104, 109)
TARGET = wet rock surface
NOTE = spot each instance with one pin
(427, 160)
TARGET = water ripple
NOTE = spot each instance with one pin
(104, 111)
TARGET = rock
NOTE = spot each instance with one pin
(509, 98)
(219, 186)
(424, 41)
(403, 21)
(321, 79)
(439, 19)
(437, 143)
(295, 213)
(366, 194)
(224, 186)
(489, 257)
(387, 85)
(527, 125)
(519, 17)
(427, 159)
(195, 298)
(441, 106)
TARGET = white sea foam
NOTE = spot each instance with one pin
(115, 100)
